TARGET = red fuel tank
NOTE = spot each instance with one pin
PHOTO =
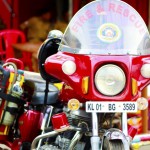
(29, 125)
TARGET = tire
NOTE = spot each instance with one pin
(116, 144)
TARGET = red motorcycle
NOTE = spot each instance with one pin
(23, 107)
(104, 63)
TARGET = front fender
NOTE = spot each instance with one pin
(114, 134)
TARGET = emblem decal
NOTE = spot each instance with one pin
(109, 33)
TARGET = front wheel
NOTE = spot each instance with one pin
(116, 144)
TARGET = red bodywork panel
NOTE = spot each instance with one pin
(87, 65)
(29, 125)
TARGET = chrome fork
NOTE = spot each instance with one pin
(125, 127)
(124, 124)
(45, 122)
(95, 139)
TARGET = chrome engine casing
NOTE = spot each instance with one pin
(63, 141)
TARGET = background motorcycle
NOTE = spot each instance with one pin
(23, 108)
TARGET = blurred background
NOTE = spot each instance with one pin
(14, 12)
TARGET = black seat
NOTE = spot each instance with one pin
(39, 93)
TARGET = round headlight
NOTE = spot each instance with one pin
(69, 67)
(110, 80)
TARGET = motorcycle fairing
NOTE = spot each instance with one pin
(87, 65)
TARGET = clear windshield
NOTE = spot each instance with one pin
(106, 27)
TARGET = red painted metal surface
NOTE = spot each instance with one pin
(87, 65)
(59, 121)
(29, 125)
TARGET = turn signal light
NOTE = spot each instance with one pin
(134, 87)
(145, 70)
(142, 103)
(69, 67)
(73, 104)
(85, 85)
(58, 85)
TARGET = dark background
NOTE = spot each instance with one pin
(24, 9)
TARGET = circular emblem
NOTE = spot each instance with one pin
(109, 33)
(73, 104)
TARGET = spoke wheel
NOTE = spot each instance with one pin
(116, 144)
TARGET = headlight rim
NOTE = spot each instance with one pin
(124, 76)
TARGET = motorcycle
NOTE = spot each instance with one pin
(103, 62)
(22, 108)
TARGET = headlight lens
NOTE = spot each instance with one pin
(110, 80)
(69, 67)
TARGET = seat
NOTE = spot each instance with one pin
(8, 37)
(35, 91)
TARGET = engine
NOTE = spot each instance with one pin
(77, 139)
(69, 139)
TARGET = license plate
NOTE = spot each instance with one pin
(111, 107)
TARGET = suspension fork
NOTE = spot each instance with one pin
(45, 121)
(95, 139)
(124, 124)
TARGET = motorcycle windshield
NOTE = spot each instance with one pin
(106, 27)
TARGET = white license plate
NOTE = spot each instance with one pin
(111, 107)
